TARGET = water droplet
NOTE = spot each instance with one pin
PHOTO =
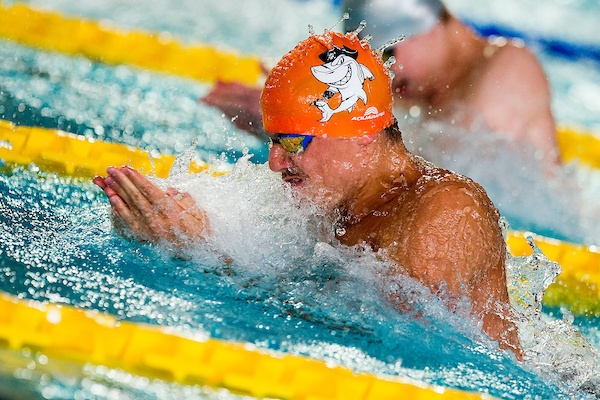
(389, 62)
(183, 161)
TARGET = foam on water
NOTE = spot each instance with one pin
(290, 287)
(552, 347)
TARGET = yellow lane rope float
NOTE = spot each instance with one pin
(578, 146)
(74, 155)
(72, 36)
(577, 288)
(56, 331)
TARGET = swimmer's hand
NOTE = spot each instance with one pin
(150, 213)
(239, 102)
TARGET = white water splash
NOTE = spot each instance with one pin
(182, 163)
(271, 237)
(554, 348)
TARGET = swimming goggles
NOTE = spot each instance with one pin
(292, 143)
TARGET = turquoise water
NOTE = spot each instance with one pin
(288, 289)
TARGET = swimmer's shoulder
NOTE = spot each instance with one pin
(511, 88)
(442, 192)
(453, 227)
(512, 60)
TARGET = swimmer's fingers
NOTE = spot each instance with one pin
(99, 181)
(152, 193)
(132, 208)
(184, 200)
(119, 181)
(192, 221)
(128, 221)
(121, 211)
(142, 192)
(152, 214)
(162, 210)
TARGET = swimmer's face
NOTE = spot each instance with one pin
(418, 65)
(327, 172)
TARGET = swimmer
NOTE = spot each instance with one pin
(451, 73)
(443, 68)
(431, 224)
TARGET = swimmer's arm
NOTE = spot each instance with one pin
(450, 240)
(150, 213)
(239, 102)
(515, 98)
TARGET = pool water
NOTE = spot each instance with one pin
(288, 288)
(285, 291)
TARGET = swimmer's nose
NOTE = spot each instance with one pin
(279, 159)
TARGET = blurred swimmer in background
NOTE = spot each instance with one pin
(443, 71)
(452, 74)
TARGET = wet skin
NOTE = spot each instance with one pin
(149, 213)
(452, 75)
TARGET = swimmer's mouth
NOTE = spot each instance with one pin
(292, 180)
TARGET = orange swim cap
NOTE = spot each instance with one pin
(330, 85)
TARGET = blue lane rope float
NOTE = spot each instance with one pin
(53, 32)
(154, 352)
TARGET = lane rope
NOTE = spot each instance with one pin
(240, 367)
(146, 350)
(57, 330)
(552, 46)
(74, 36)
(69, 153)
(51, 31)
